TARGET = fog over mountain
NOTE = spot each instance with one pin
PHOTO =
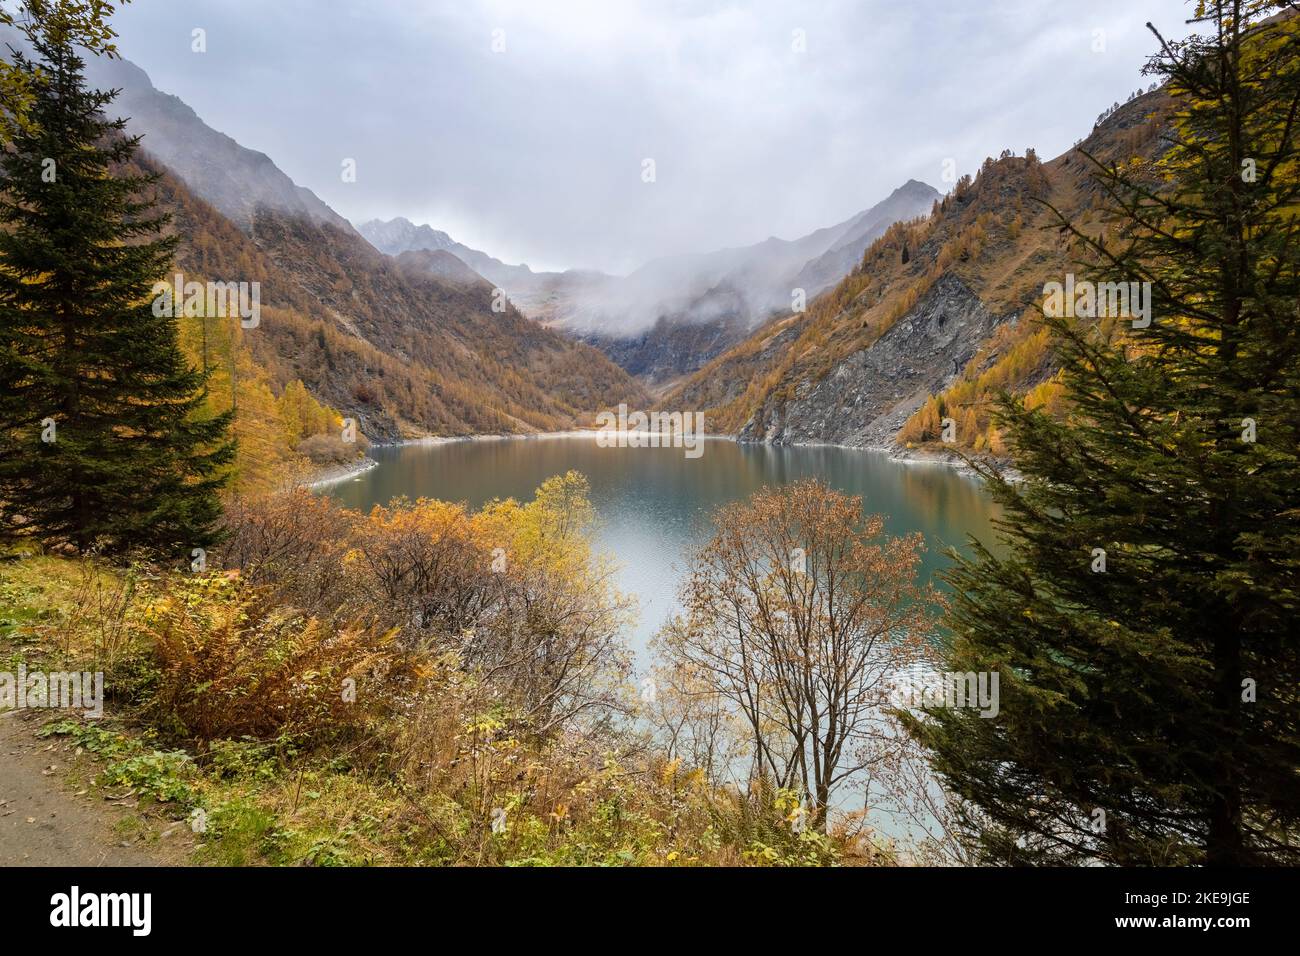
(649, 321)
(638, 319)
(763, 276)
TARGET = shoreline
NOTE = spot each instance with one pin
(902, 455)
(527, 436)
(336, 474)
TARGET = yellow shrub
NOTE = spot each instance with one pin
(229, 666)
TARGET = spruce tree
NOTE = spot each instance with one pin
(1144, 616)
(103, 438)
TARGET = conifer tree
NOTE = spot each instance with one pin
(103, 441)
(1145, 615)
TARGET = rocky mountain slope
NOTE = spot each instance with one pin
(234, 179)
(409, 346)
(866, 398)
(937, 315)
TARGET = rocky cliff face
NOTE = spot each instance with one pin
(865, 398)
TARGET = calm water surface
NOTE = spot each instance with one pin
(654, 503)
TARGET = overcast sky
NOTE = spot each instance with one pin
(535, 153)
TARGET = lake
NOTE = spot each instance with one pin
(654, 503)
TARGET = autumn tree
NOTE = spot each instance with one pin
(691, 721)
(555, 637)
(798, 612)
(513, 592)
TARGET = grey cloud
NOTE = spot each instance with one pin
(535, 154)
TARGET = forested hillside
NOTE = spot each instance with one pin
(404, 351)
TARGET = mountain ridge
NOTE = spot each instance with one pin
(233, 178)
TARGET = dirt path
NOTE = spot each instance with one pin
(50, 816)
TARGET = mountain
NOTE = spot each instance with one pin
(540, 295)
(234, 179)
(755, 280)
(673, 314)
(908, 201)
(409, 347)
(935, 319)
(702, 305)
(441, 264)
(400, 235)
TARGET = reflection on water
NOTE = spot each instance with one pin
(654, 503)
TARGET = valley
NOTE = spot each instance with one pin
(785, 511)
(915, 308)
